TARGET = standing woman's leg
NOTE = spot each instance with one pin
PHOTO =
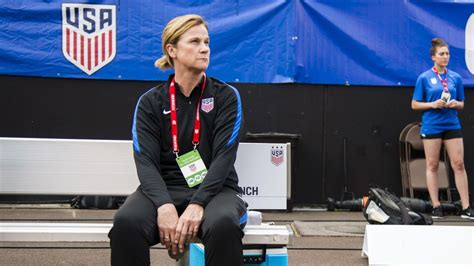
(134, 231)
(432, 148)
(455, 149)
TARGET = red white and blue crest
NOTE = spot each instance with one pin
(89, 35)
(277, 155)
(192, 167)
(207, 104)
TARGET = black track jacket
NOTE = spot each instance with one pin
(220, 133)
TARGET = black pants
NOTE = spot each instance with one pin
(135, 228)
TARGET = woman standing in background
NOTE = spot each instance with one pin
(439, 93)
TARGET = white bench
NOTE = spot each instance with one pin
(106, 167)
(262, 243)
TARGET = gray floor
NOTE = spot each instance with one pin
(321, 238)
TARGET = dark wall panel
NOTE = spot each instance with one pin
(67, 108)
(368, 118)
(291, 108)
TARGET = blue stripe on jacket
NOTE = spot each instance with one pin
(238, 119)
(136, 144)
(243, 219)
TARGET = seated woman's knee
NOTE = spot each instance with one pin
(126, 222)
(222, 225)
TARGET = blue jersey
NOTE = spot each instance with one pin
(428, 88)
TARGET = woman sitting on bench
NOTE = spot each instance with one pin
(185, 137)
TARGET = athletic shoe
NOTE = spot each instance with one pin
(467, 213)
(437, 213)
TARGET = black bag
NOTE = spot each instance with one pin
(383, 207)
(97, 202)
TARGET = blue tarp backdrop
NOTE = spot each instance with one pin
(357, 42)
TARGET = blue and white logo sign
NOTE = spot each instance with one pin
(89, 35)
(470, 44)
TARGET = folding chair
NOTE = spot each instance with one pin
(414, 168)
(403, 164)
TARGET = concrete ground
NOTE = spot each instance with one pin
(320, 237)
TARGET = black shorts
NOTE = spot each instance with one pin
(450, 134)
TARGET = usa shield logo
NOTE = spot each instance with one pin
(277, 155)
(89, 35)
(207, 104)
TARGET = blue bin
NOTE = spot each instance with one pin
(274, 256)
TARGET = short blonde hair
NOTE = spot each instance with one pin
(173, 32)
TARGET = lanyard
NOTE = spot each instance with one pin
(174, 117)
(443, 81)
